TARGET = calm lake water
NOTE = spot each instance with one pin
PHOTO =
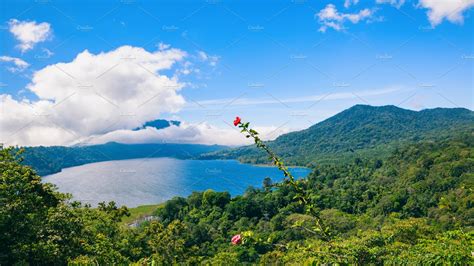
(148, 181)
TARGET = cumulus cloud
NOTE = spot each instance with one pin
(451, 10)
(29, 33)
(438, 10)
(18, 64)
(329, 17)
(202, 133)
(92, 95)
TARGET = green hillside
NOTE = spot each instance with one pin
(361, 130)
(403, 196)
(415, 207)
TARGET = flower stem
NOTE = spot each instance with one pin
(302, 194)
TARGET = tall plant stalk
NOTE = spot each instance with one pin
(301, 194)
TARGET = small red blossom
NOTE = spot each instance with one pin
(237, 121)
(237, 239)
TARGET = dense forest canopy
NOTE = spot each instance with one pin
(362, 130)
(413, 205)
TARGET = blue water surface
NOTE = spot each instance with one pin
(154, 180)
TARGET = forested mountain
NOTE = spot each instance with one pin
(407, 199)
(414, 207)
(48, 160)
(361, 130)
(364, 131)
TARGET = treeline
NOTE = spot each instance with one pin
(52, 159)
(416, 207)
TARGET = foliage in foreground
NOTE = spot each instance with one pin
(413, 208)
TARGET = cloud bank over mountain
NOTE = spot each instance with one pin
(97, 98)
(94, 94)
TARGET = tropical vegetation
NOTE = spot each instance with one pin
(412, 206)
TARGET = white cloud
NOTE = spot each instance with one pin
(348, 3)
(329, 17)
(92, 95)
(451, 10)
(211, 59)
(19, 64)
(395, 3)
(202, 133)
(438, 10)
(29, 33)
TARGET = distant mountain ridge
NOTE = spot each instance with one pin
(49, 160)
(361, 129)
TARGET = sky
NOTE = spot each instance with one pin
(89, 72)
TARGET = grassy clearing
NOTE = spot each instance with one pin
(140, 212)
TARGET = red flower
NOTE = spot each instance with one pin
(237, 239)
(237, 121)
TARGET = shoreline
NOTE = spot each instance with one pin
(168, 157)
(209, 170)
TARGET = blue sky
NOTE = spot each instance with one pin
(284, 65)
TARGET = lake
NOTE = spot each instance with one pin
(154, 180)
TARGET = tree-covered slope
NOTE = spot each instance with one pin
(48, 160)
(360, 130)
(389, 211)
(413, 207)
